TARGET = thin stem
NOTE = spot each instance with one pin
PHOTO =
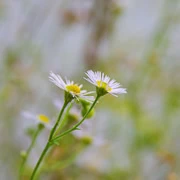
(80, 122)
(61, 124)
(58, 120)
(39, 161)
(21, 170)
(63, 121)
(50, 138)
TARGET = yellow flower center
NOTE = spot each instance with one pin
(103, 85)
(43, 118)
(73, 88)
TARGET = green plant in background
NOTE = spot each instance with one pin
(147, 120)
(42, 121)
(25, 154)
(104, 85)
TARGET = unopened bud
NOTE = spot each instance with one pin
(85, 110)
(23, 154)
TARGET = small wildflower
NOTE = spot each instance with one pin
(70, 87)
(43, 119)
(38, 119)
(104, 84)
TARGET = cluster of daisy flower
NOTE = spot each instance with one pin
(102, 82)
(73, 91)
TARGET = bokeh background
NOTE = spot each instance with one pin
(137, 135)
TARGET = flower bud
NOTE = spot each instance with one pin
(23, 154)
(85, 110)
(86, 140)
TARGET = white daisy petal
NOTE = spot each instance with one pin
(57, 80)
(28, 115)
(91, 81)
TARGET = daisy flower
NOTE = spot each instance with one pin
(70, 87)
(104, 84)
(38, 119)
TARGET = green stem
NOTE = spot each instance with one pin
(50, 138)
(21, 170)
(61, 124)
(76, 126)
(63, 121)
(39, 161)
(58, 120)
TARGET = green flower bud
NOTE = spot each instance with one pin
(87, 140)
(41, 126)
(23, 154)
(73, 118)
(85, 110)
(84, 103)
(30, 131)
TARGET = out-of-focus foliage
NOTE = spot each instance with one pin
(136, 136)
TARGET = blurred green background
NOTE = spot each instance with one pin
(137, 135)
